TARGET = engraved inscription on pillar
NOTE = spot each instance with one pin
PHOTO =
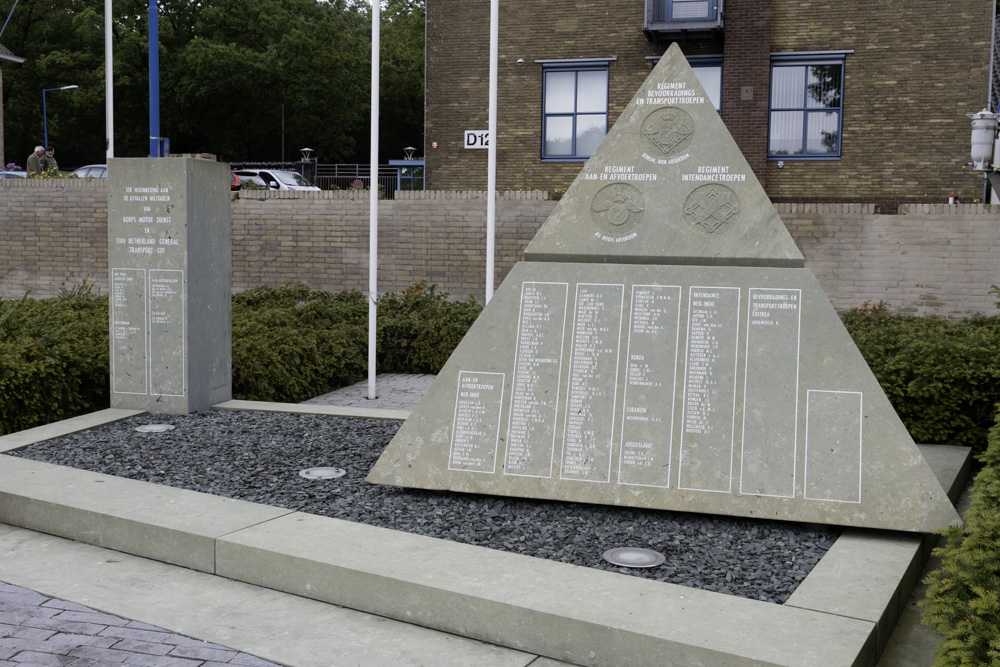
(476, 426)
(712, 209)
(706, 457)
(770, 400)
(593, 372)
(667, 131)
(128, 331)
(617, 209)
(166, 332)
(535, 384)
(648, 403)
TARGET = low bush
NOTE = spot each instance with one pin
(53, 358)
(942, 377)
(963, 596)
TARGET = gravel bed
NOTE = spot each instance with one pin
(257, 456)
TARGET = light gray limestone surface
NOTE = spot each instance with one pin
(57, 429)
(724, 390)
(667, 185)
(169, 260)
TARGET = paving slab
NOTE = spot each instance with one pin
(171, 605)
(560, 611)
(64, 427)
(315, 409)
(173, 525)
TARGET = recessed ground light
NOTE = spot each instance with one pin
(322, 473)
(634, 557)
(154, 428)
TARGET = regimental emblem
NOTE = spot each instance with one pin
(617, 209)
(667, 131)
(712, 209)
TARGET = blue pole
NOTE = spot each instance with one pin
(154, 80)
(45, 119)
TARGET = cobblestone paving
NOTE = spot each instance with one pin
(44, 631)
(396, 391)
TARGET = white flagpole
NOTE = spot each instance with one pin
(373, 205)
(109, 96)
(491, 171)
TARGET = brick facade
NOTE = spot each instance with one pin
(913, 73)
(929, 259)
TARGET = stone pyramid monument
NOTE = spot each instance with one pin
(664, 347)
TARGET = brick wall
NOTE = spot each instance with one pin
(929, 259)
(916, 69)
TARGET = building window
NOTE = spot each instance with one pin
(575, 111)
(709, 73)
(685, 10)
(806, 108)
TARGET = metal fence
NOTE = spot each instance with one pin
(349, 176)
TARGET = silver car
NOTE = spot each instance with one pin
(277, 179)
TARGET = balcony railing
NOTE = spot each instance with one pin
(675, 16)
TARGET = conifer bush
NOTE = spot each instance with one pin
(963, 596)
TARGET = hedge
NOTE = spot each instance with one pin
(963, 597)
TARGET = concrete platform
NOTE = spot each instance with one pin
(842, 614)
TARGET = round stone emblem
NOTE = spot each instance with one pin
(712, 209)
(667, 131)
(617, 209)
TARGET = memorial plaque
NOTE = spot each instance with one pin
(666, 303)
(170, 264)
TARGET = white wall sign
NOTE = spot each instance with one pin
(477, 138)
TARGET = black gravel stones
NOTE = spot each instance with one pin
(257, 456)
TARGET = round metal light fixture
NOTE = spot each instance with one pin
(634, 557)
(322, 473)
(154, 428)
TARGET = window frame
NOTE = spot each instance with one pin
(668, 12)
(576, 67)
(806, 60)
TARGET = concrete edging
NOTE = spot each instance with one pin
(842, 613)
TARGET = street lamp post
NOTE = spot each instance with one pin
(45, 119)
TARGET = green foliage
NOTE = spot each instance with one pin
(419, 329)
(963, 598)
(293, 343)
(53, 358)
(52, 173)
(943, 378)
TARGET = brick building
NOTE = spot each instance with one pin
(853, 101)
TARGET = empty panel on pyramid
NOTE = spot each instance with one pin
(664, 348)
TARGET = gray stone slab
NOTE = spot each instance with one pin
(286, 629)
(314, 409)
(169, 257)
(60, 428)
(172, 525)
(579, 615)
(725, 390)
(667, 185)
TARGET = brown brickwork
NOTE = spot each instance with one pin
(929, 259)
(916, 69)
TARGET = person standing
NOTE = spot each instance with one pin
(49, 161)
(34, 165)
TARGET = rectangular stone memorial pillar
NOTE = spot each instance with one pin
(170, 270)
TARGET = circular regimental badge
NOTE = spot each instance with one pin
(667, 131)
(712, 209)
(617, 209)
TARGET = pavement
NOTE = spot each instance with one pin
(67, 603)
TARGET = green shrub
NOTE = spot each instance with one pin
(943, 378)
(53, 358)
(963, 597)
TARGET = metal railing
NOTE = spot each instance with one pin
(339, 176)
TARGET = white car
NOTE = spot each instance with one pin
(13, 174)
(277, 179)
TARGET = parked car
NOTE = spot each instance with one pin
(278, 179)
(13, 174)
(235, 183)
(92, 171)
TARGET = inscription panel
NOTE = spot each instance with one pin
(128, 331)
(593, 369)
(648, 401)
(833, 446)
(535, 384)
(706, 460)
(166, 332)
(770, 398)
(476, 426)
